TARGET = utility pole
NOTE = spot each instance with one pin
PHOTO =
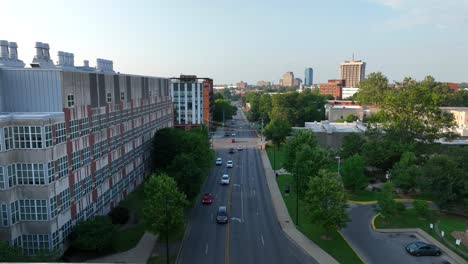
(223, 119)
(261, 132)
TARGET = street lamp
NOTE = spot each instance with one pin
(339, 163)
(168, 201)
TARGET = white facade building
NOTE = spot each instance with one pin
(347, 92)
(188, 102)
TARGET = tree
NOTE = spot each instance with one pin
(351, 118)
(165, 147)
(352, 173)
(443, 178)
(372, 90)
(223, 110)
(405, 172)
(421, 207)
(94, 235)
(277, 131)
(352, 144)
(163, 211)
(11, 254)
(303, 168)
(185, 170)
(386, 206)
(326, 201)
(299, 138)
(265, 107)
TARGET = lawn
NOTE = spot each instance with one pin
(410, 219)
(337, 246)
(280, 156)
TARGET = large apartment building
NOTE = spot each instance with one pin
(353, 72)
(74, 141)
(193, 101)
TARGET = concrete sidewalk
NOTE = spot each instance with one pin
(285, 221)
(138, 254)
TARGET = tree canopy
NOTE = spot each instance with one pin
(352, 173)
(277, 131)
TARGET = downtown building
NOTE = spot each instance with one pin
(74, 141)
(353, 72)
(308, 77)
(193, 101)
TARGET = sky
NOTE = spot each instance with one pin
(249, 40)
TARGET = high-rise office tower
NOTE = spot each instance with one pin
(309, 77)
(352, 72)
(288, 79)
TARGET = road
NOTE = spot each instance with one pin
(382, 248)
(253, 234)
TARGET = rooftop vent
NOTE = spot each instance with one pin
(9, 55)
(42, 58)
(65, 59)
(104, 65)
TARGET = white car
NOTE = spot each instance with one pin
(219, 161)
(233, 134)
(229, 164)
(225, 179)
(239, 148)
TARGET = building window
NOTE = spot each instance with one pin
(76, 160)
(33, 244)
(26, 137)
(122, 96)
(86, 155)
(78, 190)
(33, 210)
(65, 199)
(50, 170)
(70, 100)
(85, 126)
(14, 209)
(109, 97)
(4, 215)
(2, 179)
(60, 133)
(88, 184)
(48, 136)
(74, 131)
(66, 229)
(96, 150)
(55, 239)
(12, 175)
(8, 134)
(95, 123)
(53, 207)
(30, 174)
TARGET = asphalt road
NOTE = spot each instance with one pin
(253, 234)
(382, 248)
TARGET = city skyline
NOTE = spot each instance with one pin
(151, 37)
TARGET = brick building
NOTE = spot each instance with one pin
(333, 87)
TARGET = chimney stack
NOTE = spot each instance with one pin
(13, 50)
(45, 51)
(39, 47)
(4, 50)
(9, 55)
(86, 63)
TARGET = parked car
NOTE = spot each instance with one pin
(222, 215)
(225, 179)
(229, 164)
(423, 249)
(231, 150)
(226, 134)
(207, 198)
(233, 134)
(219, 161)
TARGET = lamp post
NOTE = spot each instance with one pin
(167, 232)
(339, 163)
(297, 197)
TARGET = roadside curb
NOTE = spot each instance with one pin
(355, 252)
(396, 199)
(373, 221)
(429, 238)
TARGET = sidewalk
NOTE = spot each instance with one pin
(285, 221)
(138, 254)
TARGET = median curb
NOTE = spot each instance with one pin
(373, 221)
(427, 237)
(285, 221)
(396, 199)
(355, 252)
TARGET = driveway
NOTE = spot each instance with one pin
(382, 248)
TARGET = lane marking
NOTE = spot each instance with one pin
(236, 219)
(263, 241)
(206, 249)
(242, 206)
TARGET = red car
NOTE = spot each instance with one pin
(233, 140)
(207, 198)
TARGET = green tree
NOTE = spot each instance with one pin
(165, 147)
(386, 205)
(444, 179)
(326, 202)
(352, 144)
(277, 131)
(303, 168)
(405, 172)
(223, 106)
(372, 90)
(299, 138)
(187, 173)
(265, 107)
(421, 207)
(351, 118)
(352, 173)
(163, 211)
(11, 254)
(94, 235)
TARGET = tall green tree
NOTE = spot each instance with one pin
(352, 144)
(299, 138)
(223, 106)
(94, 235)
(352, 173)
(405, 172)
(372, 90)
(326, 201)
(165, 147)
(386, 205)
(163, 211)
(277, 131)
(303, 168)
(265, 107)
(187, 173)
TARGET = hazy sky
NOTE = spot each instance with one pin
(250, 40)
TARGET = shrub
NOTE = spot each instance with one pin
(421, 207)
(119, 215)
(94, 235)
(400, 207)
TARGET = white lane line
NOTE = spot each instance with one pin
(206, 249)
(242, 205)
(263, 241)
(211, 217)
(257, 211)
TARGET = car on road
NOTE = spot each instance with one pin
(207, 198)
(225, 179)
(231, 151)
(233, 134)
(226, 134)
(219, 161)
(239, 148)
(229, 164)
(233, 140)
(222, 215)
(420, 248)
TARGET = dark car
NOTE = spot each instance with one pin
(422, 249)
(221, 215)
(207, 198)
(231, 150)
(227, 134)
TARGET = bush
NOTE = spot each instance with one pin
(94, 235)
(421, 207)
(119, 215)
(400, 207)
